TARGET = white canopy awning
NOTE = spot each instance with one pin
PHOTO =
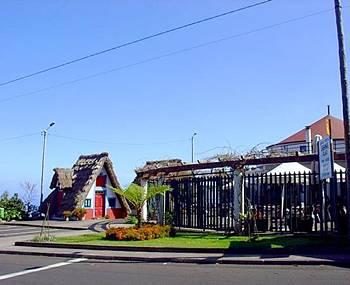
(338, 167)
(289, 167)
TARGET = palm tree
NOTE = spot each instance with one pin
(137, 196)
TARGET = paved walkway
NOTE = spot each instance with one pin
(93, 225)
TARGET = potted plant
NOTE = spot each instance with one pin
(304, 222)
(80, 213)
(67, 215)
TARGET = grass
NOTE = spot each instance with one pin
(206, 240)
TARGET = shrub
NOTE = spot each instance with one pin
(13, 206)
(79, 213)
(67, 214)
(145, 233)
(44, 238)
(132, 219)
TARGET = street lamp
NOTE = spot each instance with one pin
(192, 140)
(44, 133)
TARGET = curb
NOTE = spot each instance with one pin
(209, 260)
(265, 251)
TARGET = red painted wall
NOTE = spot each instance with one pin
(116, 213)
(89, 214)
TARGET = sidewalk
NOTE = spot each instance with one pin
(183, 257)
(93, 225)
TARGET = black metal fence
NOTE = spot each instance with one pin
(293, 202)
(202, 202)
(297, 202)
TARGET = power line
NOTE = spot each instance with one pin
(19, 137)
(214, 148)
(168, 55)
(134, 42)
(116, 143)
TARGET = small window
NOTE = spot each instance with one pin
(111, 202)
(303, 148)
(87, 203)
(101, 180)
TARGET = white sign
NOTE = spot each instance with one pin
(325, 157)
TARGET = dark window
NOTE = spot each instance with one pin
(303, 148)
(112, 202)
(87, 203)
(101, 180)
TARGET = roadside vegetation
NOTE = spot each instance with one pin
(137, 197)
(12, 208)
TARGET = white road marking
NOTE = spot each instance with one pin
(24, 272)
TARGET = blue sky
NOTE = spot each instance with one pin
(256, 88)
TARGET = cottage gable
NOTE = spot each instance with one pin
(77, 181)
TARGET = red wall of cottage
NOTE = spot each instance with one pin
(89, 214)
(114, 213)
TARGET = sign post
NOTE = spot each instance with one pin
(325, 156)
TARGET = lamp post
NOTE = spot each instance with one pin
(44, 133)
(192, 140)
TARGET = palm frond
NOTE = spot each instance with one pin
(153, 191)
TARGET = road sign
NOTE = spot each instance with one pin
(325, 156)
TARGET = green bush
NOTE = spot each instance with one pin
(144, 233)
(67, 214)
(14, 206)
(132, 220)
(79, 213)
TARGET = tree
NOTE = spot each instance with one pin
(28, 197)
(137, 196)
(14, 206)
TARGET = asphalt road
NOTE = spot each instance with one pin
(44, 270)
(7, 231)
(11, 233)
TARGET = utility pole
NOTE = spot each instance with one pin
(192, 140)
(345, 100)
(44, 132)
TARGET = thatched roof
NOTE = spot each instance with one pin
(81, 178)
(62, 179)
(154, 165)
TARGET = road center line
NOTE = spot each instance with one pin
(24, 272)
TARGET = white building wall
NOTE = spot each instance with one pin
(108, 194)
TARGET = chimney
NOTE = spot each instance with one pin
(308, 139)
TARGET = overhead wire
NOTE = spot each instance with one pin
(167, 55)
(19, 137)
(116, 143)
(134, 42)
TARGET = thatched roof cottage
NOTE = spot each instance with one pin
(86, 185)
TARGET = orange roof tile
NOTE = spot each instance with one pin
(318, 128)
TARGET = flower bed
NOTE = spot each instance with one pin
(145, 233)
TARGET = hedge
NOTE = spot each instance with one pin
(144, 233)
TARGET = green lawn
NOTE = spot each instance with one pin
(205, 240)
